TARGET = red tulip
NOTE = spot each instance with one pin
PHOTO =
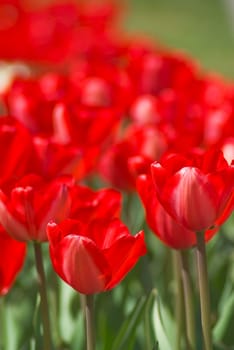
(93, 258)
(12, 254)
(152, 72)
(143, 143)
(16, 149)
(31, 204)
(82, 125)
(32, 100)
(195, 190)
(54, 159)
(45, 31)
(161, 223)
(87, 204)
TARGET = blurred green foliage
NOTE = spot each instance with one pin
(197, 27)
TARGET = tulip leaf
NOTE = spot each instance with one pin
(148, 309)
(127, 331)
(37, 324)
(66, 325)
(161, 336)
(224, 319)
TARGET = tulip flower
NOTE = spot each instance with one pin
(31, 204)
(82, 125)
(152, 72)
(88, 204)
(53, 159)
(12, 254)
(163, 225)
(16, 149)
(145, 144)
(93, 258)
(31, 101)
(197, 190)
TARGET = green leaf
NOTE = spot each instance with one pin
(224, 320)
(37, 325)
(66, 321)
(127, 331)
(158, 325)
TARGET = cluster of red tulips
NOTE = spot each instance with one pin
(87, 108)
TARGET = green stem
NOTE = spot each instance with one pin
(188, 300)
(43, 295)
(204, 290)
(147, 321)
(3, 321)
(89, 321)
(178, 299)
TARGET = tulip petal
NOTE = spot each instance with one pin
(224, 187)
(86, 203)
(81, 264)
(56, 232)
(16, 229)
(104, 232)
(191, 199)
(58, 209)
(12, 258)
(160, 222)
(123, 255)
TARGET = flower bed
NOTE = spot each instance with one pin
(103, 135)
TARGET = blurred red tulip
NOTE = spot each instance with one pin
(195, 190)
(53, 159)
(84, 126)
(12, 254)
(16, 149)
(143, 144)
(87, 204)
(93, 258)
(31, 204)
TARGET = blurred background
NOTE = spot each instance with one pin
(203, 29)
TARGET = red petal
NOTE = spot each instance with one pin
(51, 203)
(159, 175)
(12, 255)
(14, 227)
(191, 199)
(81, 264)
(162, 224)
(123, 256)
(56, 232)
(106, 232)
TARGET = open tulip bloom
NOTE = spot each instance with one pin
(93, 258)
(32, 202)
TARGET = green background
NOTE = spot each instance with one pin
(200, 28)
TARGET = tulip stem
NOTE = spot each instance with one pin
(188, 300)
(3, 330)
(89, 321)
(178, 300)
(43, 294)
(204, 290)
